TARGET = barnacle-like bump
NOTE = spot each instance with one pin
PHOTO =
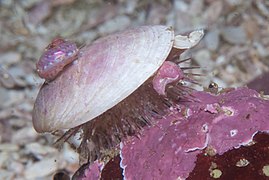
(56, 56)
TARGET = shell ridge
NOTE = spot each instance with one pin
(110, 51)
(62, 116)
(150, 47)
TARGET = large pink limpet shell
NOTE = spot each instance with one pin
(106, 72)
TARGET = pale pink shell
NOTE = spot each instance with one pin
(106, 72)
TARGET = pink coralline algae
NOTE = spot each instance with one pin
(208, 137)
(169, 72)
(214, 123)
(246, 162)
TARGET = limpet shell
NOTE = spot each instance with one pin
(106, 72)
